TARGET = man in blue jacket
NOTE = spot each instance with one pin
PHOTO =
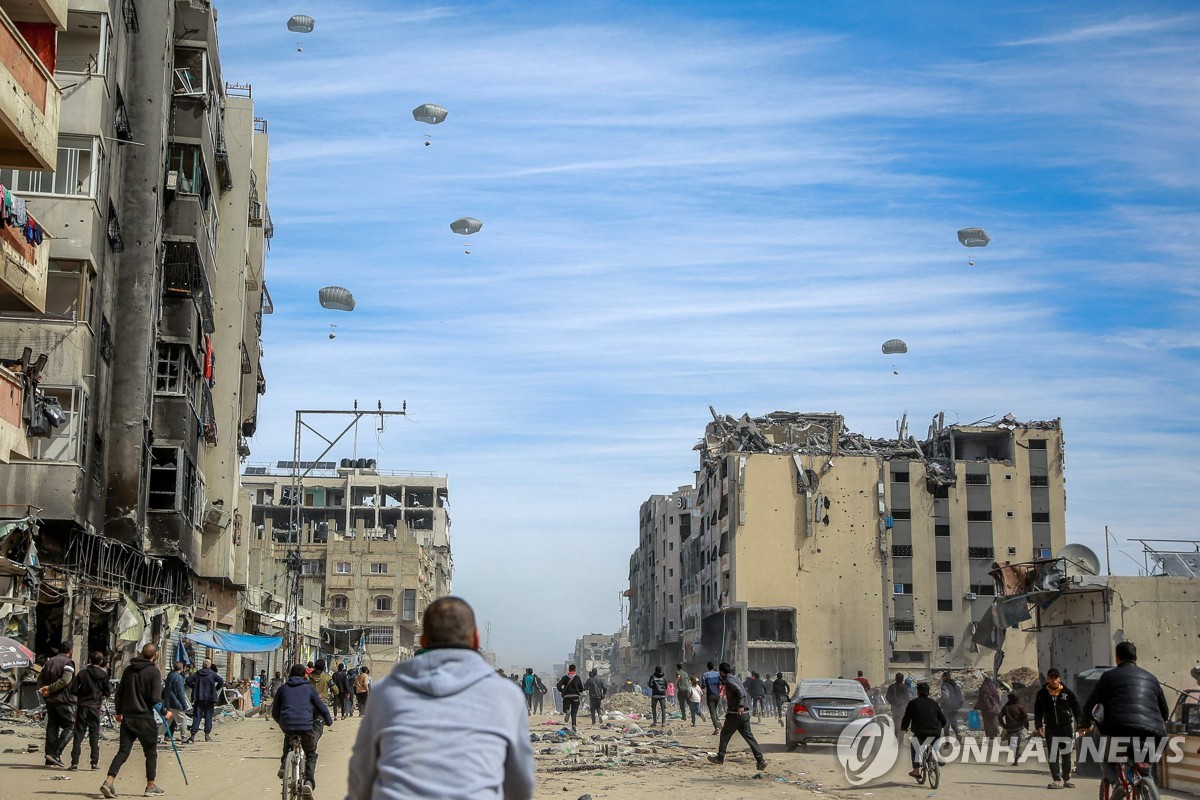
(292, 709)
(206, 687)
(175, 699)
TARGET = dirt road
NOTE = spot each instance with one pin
(241, 763)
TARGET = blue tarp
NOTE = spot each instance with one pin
(236, 642)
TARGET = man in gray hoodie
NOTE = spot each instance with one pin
(425, 736)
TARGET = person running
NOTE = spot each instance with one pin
(362, 689)
(597, 690)
(54, 685)
(529, 687)
(781, 691)
(897, 699)
(428, 737)
(175, 699)
(1134, 706)
(1014, 719)
(299, 710)
(138, 696)
(950, 698)
(693, 695)
(539, 698)
(90, 689)
(737, 718)
(570, 686)
(758, 695)
(923, 717)
(683, 683)
(711, 683)
(866, 684)
(206, 687)
(658, 696)
(671, 694)
(1056, 715)
(344, 702)
(989, 707)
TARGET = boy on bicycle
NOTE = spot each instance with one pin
(924, 718)
(293, 710)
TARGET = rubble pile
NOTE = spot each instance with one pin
(1021, 677)
(621, 744)
(628, 703)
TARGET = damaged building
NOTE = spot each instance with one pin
(137, 323)
(813, 550)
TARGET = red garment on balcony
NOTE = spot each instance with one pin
(42, 38)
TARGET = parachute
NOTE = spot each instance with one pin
(336, 298)
(894, 346)
(301, 23)
(429, 113)
(974, 237)
(466, 226)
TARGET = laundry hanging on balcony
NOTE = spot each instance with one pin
(16, 215)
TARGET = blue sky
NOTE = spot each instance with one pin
(725, 204)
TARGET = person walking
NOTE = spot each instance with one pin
(1014, 719)
(54, 685)
(924, 718)
(1056, 715)
(529, 687)
(671, 694)
(683, 684)
(299, 710)
(427, 716)
(758, 695)
(658, 696)
(138, 696)
(344, 699)
(737, 718)
(711, 682)
(693, 695)
(539, 699)
(276, 682)
(175, 699)
(597, 690)
(988, 706)
(322, 681)
(950, 698)
(866, 684)
(362, 689)
(897, 699)
(781, 691)
(570, 686)
(206, 686)
(90, 689)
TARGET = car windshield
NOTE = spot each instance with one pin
(842, 689)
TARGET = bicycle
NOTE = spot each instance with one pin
(931, 769)
(293, 773)
(1135, 780)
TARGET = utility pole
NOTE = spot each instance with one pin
(1107, 553)
(301, 470)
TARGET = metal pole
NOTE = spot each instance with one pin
(1107, 553)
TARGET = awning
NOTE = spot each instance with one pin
(236, 642)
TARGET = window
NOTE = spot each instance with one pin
(67, 442)
(383, 603)
(379, 568)
(670, 598)
(899, 477)
(907, 657)
(946, 642)
(176, 372)
(342, 568)
(902, 513)
(187, 163)
(672, 546)
(979, 516)
(980, 552)
(903, 625)
(984, 589)
(339, 602)
(1037, 444)
(901, 588)
(381, 634)
(83, 46)
(671, 573)
(945, 605)
(191, 72)
(1039, 480)
(670, 626)
(941, 491)
(76, 170)
(1009, 514)
(977, 480)
(1041, 516)
(312, 566)
(942, 566)
(941, 530)
(902, 551)
(408, 611)
(174, 482)
(69, 290)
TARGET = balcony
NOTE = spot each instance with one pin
(13, 443)
(29, 98)
(24, 272)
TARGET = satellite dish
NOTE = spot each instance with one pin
(1079, 560)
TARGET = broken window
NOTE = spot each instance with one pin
(907, 657)
(176, 371)
(942, 491)
(83, 46)
(186, 162)
(983, 589)
(941, 530)
(1037, 444)
(174, 482)
(69, 290)
(899, 477)
(66, 443)
(770, 626)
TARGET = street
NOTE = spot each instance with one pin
(240, 764)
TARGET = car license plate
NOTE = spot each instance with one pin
(834, 712)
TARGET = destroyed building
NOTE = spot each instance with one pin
(816, 551)
(374, 551)
(145, 294)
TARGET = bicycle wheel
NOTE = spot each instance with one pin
(1103, 792)
(923, 773)
(287, 776)
(1145, 789)
(935, 772)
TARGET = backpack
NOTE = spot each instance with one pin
(658, 684)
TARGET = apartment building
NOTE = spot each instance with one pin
(597, 651)
(152, 198)
(818, 551)
(374, 549)
(656, 622)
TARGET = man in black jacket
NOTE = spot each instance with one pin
(737, 718)
(570, 686)
(296, 708)
(1056, 715)
(596, 690)
(54, 684)
(658, 696)
(138, 696)
(345, 693)
(1134, 706)
(923, 717)
(90, 688)
(206, 687)
(782, 692)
